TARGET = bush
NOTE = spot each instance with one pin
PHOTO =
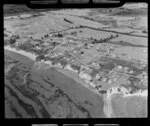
(12, 41)
(55, 44)
(73, 33)
(46, 36)
(60, 35)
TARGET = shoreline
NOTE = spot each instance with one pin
(33, 57)
(22, 52)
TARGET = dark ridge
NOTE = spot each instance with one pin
(13, 94)
(15, 9)
(42, 111)
(33, 95)
(28, 108)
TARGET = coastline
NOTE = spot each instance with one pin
(27, 54)
(107, 98)
(33, 57)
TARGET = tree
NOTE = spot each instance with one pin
(110, 10)
(111, 36)
(82, 52)
(12, 41)
(46, 36)
(54, 44)
(80, 31)
(60, 35)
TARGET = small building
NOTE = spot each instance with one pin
(85, 76)
(131, 71)
(104, 79)
(68, 67)
(58, 65)
(115, 79)
(126, 68)
(48, 62)
(109, 81)
(119, 67)
(97, 76)
(92, 84)
(74, 51)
